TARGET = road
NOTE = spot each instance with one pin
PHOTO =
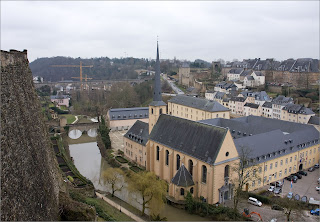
(173, 86)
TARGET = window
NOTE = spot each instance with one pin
(275, 175)
(160, 111)
(265, 167)
(151, 110)
(281, 162)
(254, 173)
(226, 171)
(191, 190)
(280, 173)
(290, 159)
(190, 167)
(264, 179)
(259, 182)
(289, 169)
(285, 171)
(270, 176)
(253, 183)
(182, 192)
(270, 166)
(295, 157)
(217, 115)
(158, 153)
(178, 161)
(260, 169)
(167, 157)
(204, 174)
(294, 168)
(276, 164)
(227, 153)
(286, 160)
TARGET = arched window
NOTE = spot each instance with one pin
(178, 161)
(151, 110)
(158, 153)
(160, 111)
(226, 171)
(191, 190)
(181, 191)
(167, 157)
(204, 174)
(190, 167)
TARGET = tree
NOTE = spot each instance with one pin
(115, 178)
(245, 170)
(151, 191)
(289, 205)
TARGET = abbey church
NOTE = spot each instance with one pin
(193, 144)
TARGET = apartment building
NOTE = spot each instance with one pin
(296, 113)
(278, 104)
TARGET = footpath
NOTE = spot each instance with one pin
(117, 206)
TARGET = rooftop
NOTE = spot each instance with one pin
(196, 139)
(139, 132)
(129, 113)
(183, 177)
(198, 103)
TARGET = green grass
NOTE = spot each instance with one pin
(51, 105)
(70, 118)
(63, 108)
(182, 88)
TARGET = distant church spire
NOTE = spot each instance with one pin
(157, 83)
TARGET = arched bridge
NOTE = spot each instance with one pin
(83, 126)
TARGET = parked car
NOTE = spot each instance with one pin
(311, 169)
(290, 195)
(271, 188)
(294, 178)
(317, 188)
(279, 183)
(288, 178)
(316, 166)
(276, 207)
(315, 212)
(304, 173)
(297, 175)
(254, 201)
(277, 190)
(319, 180)
(273, 184)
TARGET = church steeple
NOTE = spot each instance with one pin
(157, 97)
(157, 106)
(157, 82)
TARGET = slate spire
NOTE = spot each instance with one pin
(157, 83)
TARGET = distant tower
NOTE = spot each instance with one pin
(157, 106)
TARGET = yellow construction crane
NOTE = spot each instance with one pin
(80, 66)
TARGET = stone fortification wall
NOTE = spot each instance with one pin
(29, 174)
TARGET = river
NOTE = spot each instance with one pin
(88, 160)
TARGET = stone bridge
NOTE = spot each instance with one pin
(83, 126)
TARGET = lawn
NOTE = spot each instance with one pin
(64, 108)
(70, 118)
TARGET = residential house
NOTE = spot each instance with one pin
(252, 109)
(296, 113)
(267, 109)
(277, 105)
(60, 100)
(234, 74)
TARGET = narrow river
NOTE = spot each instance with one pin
(90, 164)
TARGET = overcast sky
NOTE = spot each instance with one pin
(207, 30)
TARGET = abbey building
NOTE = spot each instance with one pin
(195, 152)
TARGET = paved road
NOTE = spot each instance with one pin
(117, 206)
(174, 87)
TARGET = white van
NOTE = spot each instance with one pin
(254, 201)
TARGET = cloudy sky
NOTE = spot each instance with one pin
(189, 30)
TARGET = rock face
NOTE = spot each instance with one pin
(29, 173)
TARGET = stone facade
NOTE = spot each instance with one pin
(29, 172)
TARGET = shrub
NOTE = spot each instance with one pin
(70, 178)
(114, 163)
(121, 159)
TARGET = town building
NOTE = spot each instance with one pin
(278, 104)
(296, 113)
(60, 100)
(251, 109)
(267, 109)
(196, 108)
(124, 118)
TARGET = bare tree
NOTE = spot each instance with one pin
(114, 177)
(246, 171)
